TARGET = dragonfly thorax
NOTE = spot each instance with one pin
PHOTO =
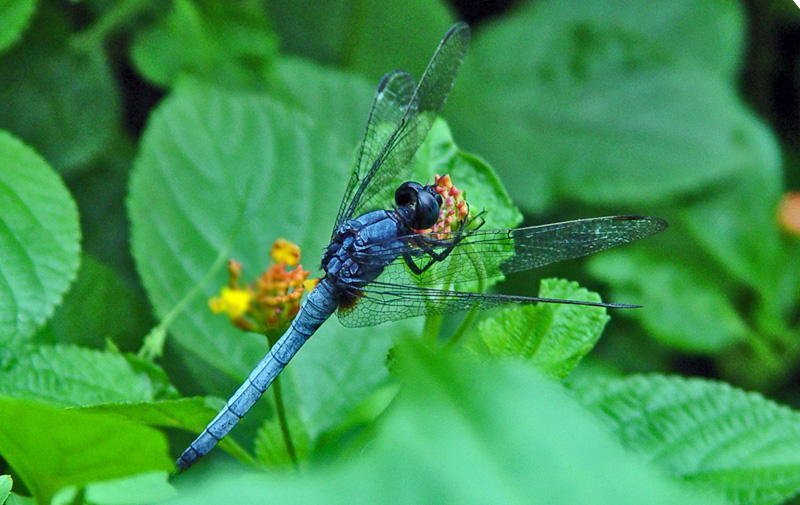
(362, 247)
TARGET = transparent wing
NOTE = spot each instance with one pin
(388, 162)
(399, 293)
(381, 302)
(490, 253)
(392, 98)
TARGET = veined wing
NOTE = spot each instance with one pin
(372, 188)
(391, 101)
(381, 302)
(491, 253)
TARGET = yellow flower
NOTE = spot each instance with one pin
(233, 302)
(286, 252)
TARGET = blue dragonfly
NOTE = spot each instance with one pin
(380, 267)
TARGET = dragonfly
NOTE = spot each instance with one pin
(380, 266)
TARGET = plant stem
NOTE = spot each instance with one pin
(467, 321)
(430, 332)
(284, 424)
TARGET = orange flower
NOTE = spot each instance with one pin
(271, 304)
(454, 209)
(789, 212)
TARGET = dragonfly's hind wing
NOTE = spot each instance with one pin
(391, 101)
(390, 165)
(483, 254)
(382, 302)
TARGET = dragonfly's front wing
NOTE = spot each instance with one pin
(392, 100)
(381, 302)
(398, 122)
(483, 254)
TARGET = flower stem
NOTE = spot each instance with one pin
(284, 424)
(153, 345)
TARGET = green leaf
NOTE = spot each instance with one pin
(470, 433)
(39, 237)
(363, 36)
(51, 448)
(228, 43)
(15, 499)
(99, 307)
(439, 155)
(203, 147)
(143, 488)
(335, 100)
(69, 376)
(739, 228)
(5, 487)
(190, 414)
(14, 17)
(62, 101)
(705, 432)
(679, 295)
(594, 102)
(553, 337)
(404, 34)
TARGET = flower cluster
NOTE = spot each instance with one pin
(789, 213)
(274, 300)
(453, 211)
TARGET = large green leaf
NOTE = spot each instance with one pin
(439, 155)
(191, 414)
(50, 448)
(14, 16)
(336, 100)
(39, 237)
(69, 376)
(679, 293)
(229, 43)
(371, 37)
(554, 337)
(606, 103)
(740, 231)
(466, 432)
(707, 433)
(201, 151)
(61, 100)
(141, 489)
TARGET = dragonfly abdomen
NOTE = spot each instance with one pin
(318, 306)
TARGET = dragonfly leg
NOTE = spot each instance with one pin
(426, 246)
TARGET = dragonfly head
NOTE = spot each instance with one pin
(423, 199)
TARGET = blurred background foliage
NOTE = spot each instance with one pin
(158, 115)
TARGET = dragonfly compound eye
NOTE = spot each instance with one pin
(406, 194)
(427, 211)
